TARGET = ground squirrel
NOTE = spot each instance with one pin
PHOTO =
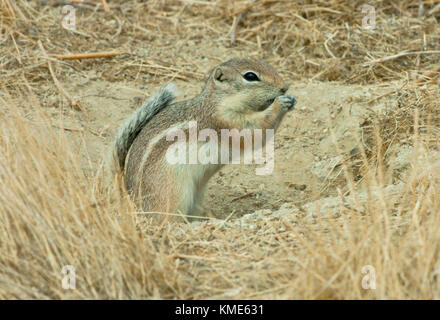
(238, 94)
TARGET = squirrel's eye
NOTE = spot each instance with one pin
(250, 76)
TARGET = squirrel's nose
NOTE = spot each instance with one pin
(284, 89)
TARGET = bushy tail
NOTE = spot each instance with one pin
(134, 124)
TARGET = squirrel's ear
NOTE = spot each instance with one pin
(219, 75)
(222, 76)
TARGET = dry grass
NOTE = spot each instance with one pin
(53, 215)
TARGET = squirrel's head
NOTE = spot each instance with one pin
(246, 85)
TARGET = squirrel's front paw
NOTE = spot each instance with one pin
(286, 102)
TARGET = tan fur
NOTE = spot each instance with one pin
(226, 102)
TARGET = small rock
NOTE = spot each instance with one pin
(324, 168)
(300, 187)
